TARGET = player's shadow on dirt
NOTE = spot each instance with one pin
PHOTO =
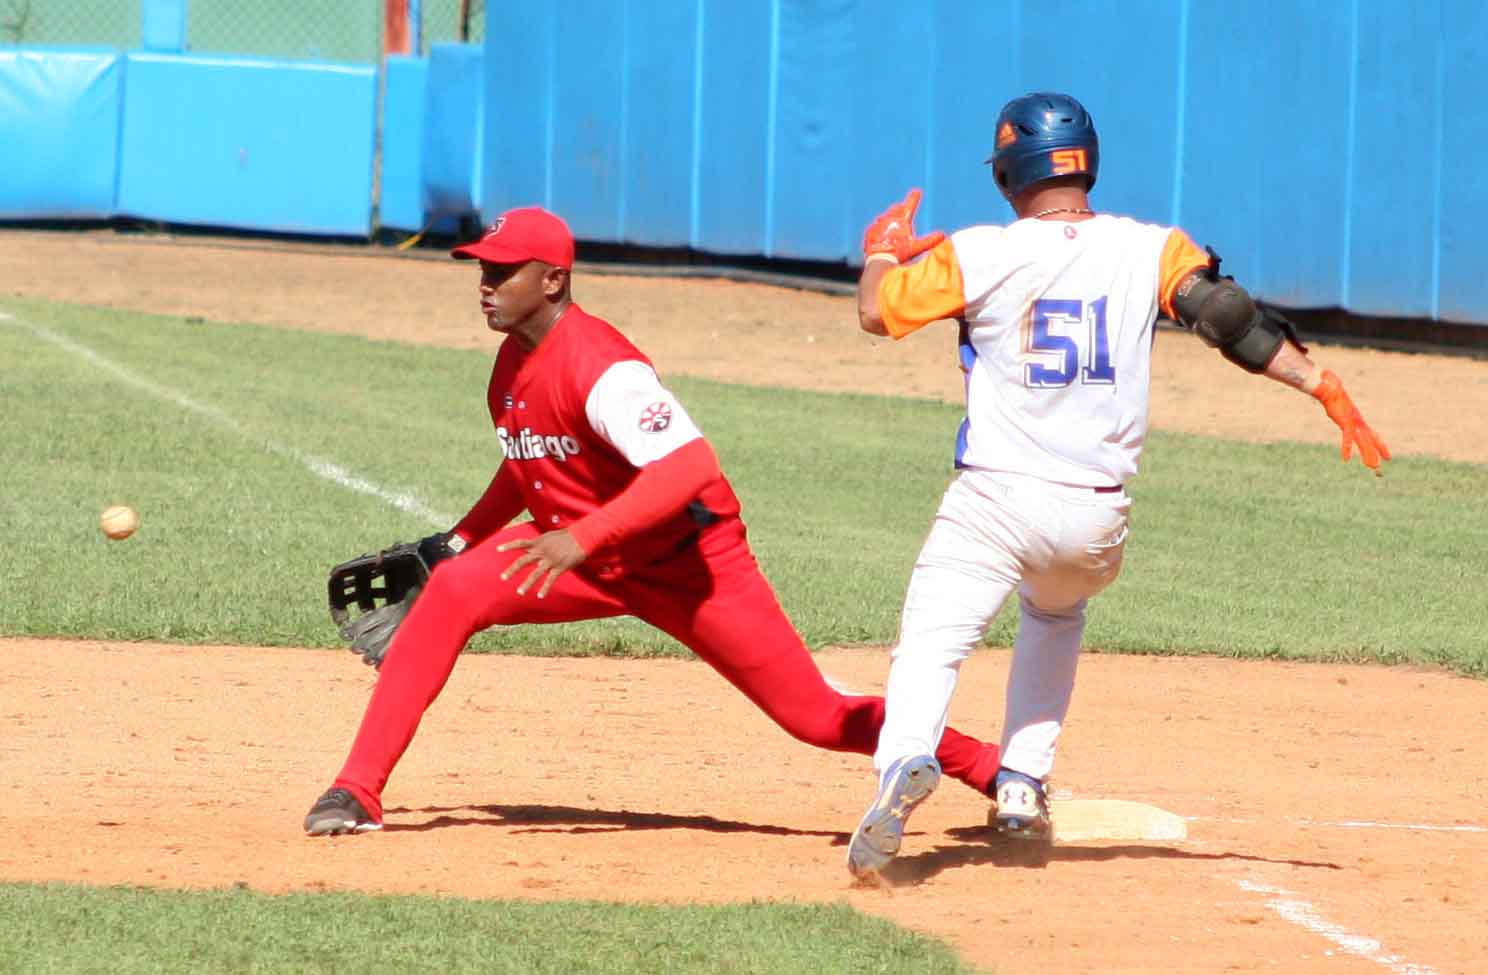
(984, 846)
(573, 820)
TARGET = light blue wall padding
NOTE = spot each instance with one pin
(1462, 249)
(729, 128)
(163, 26)
(588, 116)
(969, 67)
(909, 103)
(517, 156)
(1331, 152)
(454, 119)
(59, 128)
(813, 131)
(658, 96)
(1391, 233)
(1125, 63)
(402, 202)
(264, 145)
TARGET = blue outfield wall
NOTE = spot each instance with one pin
(1330, 151)
(432, 120)
(228, 142)
(406, 83)
(59, 132)
(453, 121)
(1462, 178)
(257, 144)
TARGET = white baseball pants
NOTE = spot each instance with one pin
(1057, 545)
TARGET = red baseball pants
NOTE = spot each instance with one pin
(711, 597)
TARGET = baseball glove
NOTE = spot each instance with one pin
(381, 587)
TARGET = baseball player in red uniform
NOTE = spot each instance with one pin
(630, 515)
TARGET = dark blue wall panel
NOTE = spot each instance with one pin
(1390, 224)
(1122, 55)
(588, 120)
(732, 198)
(1461, 247)
(1302, 151)
(658, 161)
(264, 145)
(59, 126)
(973, 71)
(892, 113)
(519, 63)
(813, 138)
(1220, 202)
(1329, 151)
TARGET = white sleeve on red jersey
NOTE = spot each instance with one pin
(630, 408)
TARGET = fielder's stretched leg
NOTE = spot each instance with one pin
(464, 595)
(718, 603)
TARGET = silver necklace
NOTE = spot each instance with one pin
(1045, 213)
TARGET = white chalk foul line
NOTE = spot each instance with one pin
(1422, 827)
(1292, 908)
(1299, 912)
(325, 469)
(1349, 824)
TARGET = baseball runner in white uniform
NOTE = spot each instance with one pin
(1056, 314)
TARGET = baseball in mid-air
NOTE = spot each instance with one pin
(119, 522)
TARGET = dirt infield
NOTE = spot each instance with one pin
(1336, 813)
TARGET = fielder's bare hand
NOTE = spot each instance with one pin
(552, 553)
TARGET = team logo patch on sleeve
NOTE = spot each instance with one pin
(656, 417)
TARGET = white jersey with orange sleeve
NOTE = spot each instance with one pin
(1056, 336)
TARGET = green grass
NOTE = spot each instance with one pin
(1238, 549)
(132, 931)
(211, 432)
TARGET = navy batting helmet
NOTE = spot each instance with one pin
(1040, 136)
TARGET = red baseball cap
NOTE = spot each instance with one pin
(523, 234)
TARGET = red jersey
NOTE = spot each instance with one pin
(578, 417)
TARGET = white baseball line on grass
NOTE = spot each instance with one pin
(325, 469)
(1301, 913)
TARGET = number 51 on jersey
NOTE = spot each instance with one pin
(1069, 336)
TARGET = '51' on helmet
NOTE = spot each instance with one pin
(1040, 136)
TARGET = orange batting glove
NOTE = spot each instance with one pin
(1342, 411)
(893, 232)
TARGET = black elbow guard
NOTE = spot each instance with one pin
(1226, 317)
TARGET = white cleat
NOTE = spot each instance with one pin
(906, 784)
(1022, 810)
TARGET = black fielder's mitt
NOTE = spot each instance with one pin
(370, 594)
